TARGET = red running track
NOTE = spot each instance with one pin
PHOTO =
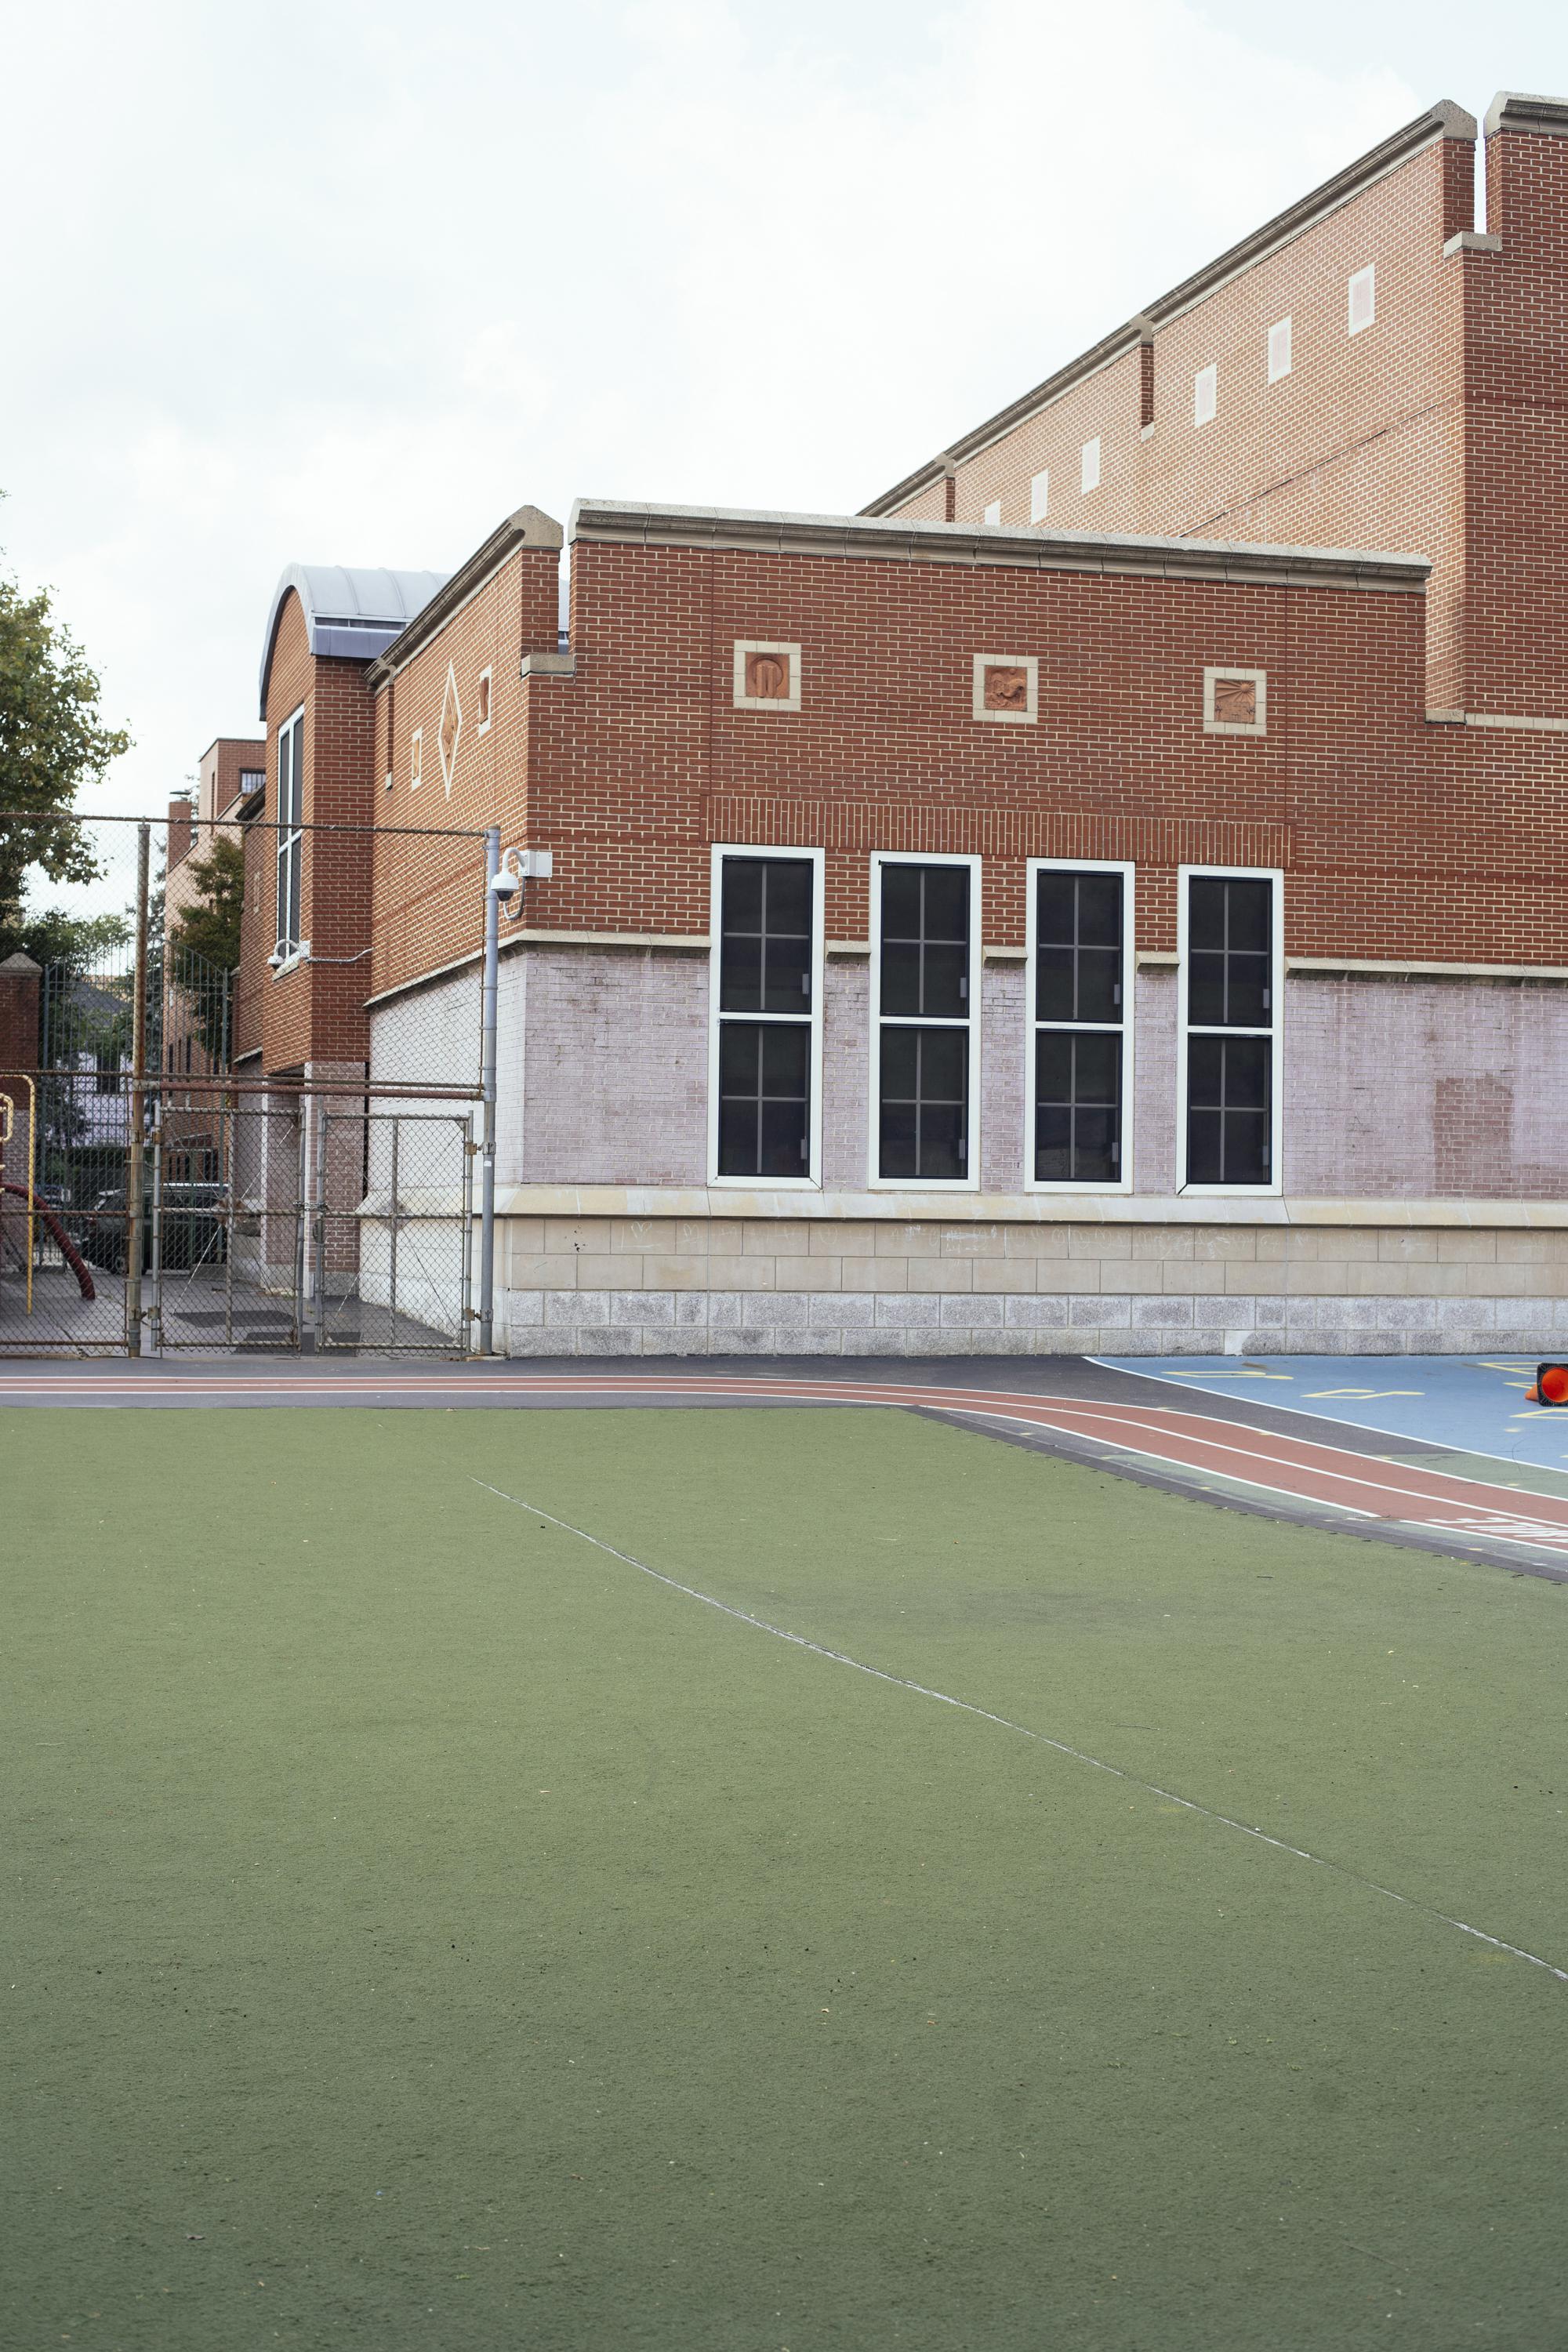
(1303, 1469)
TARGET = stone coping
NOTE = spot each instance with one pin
(1015, 1208)
(767, 532)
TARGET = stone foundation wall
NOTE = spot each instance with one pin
(718, 1284)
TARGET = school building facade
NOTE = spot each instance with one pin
(1106, 896)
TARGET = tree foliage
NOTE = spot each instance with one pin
(53, 740)
(210, 928)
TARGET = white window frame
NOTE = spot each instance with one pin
(415, 759)
(1273, 875)
(991, 516)
(810, 1181)
(290, 851)
(1040, 494)
(1089, 468)
(1033, 866)
(880, 860)
(1367, 278)
(1285, 327)
(1206, 395)
(484, 700)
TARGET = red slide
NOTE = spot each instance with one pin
(68, 1248)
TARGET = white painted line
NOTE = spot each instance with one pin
(1005, 1723)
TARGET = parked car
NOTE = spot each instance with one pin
(192, 1219)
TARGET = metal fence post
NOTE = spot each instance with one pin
(488, 1087)
(135, 1162)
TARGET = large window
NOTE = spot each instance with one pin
(925, 941)
(1231, 977)
(765, 1066)
(291, 836)
(1080, 982)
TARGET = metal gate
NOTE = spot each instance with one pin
(155, 1194)
(294, 1226)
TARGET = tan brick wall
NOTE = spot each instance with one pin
(659, 1285)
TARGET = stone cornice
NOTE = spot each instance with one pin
(529, 527)
(1519, 109)
(598, 521)
(657, 1201)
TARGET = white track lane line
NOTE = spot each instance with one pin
(1005, 1723)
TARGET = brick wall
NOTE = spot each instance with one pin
(1400, 838)
(1438, 428)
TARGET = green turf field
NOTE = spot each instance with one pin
(424, 1929)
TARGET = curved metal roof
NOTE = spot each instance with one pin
(350, 612)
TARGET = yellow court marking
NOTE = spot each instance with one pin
(1242, 1372)
(1362, 1394)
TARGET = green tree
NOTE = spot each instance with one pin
(203, 942)
(210, 928)
(53, 740)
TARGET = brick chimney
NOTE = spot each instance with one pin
(180, 814)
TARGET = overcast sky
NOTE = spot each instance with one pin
(348, 283)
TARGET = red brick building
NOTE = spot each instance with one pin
(1107, 895)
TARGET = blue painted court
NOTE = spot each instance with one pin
(1473, 1404)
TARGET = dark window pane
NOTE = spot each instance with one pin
(900, 1140)
(1205, 1131)
(1206, 988)
(789, 895)
(925, 940)
(740, 972)
(946, 902)
(1247, 1061)
(765, 943)
(1206, 913)
(1077, 931)
(901, 1064)
(946, 994)
(901, 902)
(788, 987)
(1099, 984)
(1053, 1143)
(941, 1142)
(1054, 908)
(1228, 1098)
(1230, 937)
(1055, 993)
(902, 978)
(1100, 910)
(783, 1142)
(1247, 912)
(1096, 1068)
(944, 1063)
(1077, 1107)
(765, 1097)
(923, 1106)
(1246, 992)
(744, 893)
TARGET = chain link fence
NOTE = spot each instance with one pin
(217, 1135)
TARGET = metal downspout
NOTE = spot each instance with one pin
(488, 1088)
